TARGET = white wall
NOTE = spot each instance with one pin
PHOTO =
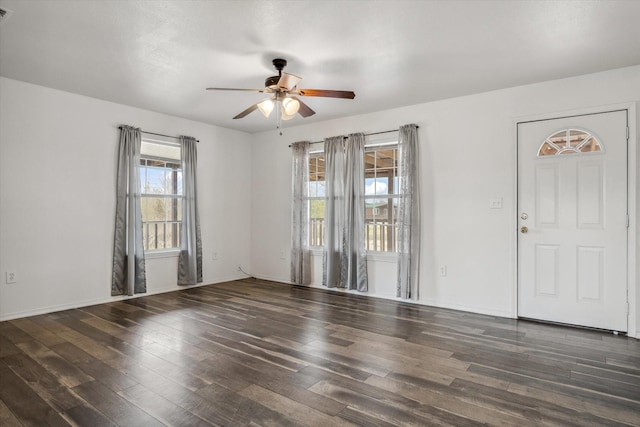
(57, 198)
(57, 148)
(467, 157)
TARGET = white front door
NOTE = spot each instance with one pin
(572, 220)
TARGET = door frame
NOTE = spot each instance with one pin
(632, 188)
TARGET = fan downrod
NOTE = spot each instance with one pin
(279, 65)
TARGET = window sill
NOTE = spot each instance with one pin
(371, 256)
(382, 256)
(163, 253)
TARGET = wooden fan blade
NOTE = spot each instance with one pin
(230, 88)
(247, 111)
(288, 81)
(304, 110)
(327, 93)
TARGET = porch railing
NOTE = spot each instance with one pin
(161, 234)
(381, 236)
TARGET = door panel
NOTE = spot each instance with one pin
(572, 207)
(590, 195)
(590, 273)
(547, 192)
(547, 271)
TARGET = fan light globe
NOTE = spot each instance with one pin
(266, 107)
(285, 116)
(290, 107)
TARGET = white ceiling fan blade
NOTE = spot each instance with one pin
(233, 88)
(251, 109)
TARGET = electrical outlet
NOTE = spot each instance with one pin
(11, 277)
(214, 256)
(282, 254)
(443, 270)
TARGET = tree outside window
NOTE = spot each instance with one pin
(161, 195)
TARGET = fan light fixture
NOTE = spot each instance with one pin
(288, 107)
(266, 107)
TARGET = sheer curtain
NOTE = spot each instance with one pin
(334, 212)
(128, 273)
(300, 252)
(408, 213)
(344, 260)
(190, 261)
(354, 255)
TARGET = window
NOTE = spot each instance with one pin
(569, 141)
(316, 198)
(381, 194)
(161, 194)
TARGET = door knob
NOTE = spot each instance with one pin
(524, 230)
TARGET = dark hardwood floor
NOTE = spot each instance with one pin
(260, 353)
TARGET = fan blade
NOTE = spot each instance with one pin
(288, 81)
(247, 111)
(304, 110)
(326, 93)
(230, 88)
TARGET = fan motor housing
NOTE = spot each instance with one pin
(271, 81)
(278, 64)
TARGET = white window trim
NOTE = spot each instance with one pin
(376, 256)
(380, 256)
(376, 142)
(571, 150)
(162, 253)
(373, 142)
(161, 140)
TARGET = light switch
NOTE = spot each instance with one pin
(495, 203)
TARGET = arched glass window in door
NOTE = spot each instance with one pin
(569, 141)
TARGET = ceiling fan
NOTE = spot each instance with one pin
(285, 92)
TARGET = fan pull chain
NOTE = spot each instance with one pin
(278, 113)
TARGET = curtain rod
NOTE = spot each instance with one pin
(366, 134)
(159, 134)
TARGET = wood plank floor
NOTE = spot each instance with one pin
(258, 353)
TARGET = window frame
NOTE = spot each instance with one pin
(315, 153)
(177, 224)
(373, 142)
(570, 149)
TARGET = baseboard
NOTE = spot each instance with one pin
(54, 308)
(108, 299)
(272, 279)
(429, 303)
(470, 309)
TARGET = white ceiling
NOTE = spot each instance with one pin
(160, 55)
